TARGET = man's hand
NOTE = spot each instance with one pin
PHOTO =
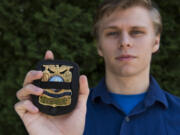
(38, 123)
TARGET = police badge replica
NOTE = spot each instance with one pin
(60, 82)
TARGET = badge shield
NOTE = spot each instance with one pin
(60, 82)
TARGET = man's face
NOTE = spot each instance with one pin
(127, 40)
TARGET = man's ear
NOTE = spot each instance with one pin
(156, 44)
(98, 46)
(99, 51)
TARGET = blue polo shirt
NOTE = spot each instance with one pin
(157, 114)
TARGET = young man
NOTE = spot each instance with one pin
(128, 101)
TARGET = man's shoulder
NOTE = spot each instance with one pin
(173, 103)
(172, 113)
(172, 99)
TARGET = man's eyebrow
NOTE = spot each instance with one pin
(138, 27)
(132, 27)
(110, 27)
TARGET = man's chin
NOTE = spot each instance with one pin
(124, 72)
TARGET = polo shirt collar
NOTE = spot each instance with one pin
(154, 93)
(101, 91)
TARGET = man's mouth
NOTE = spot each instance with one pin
(125, 57)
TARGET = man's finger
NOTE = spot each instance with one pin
(49, 55)
(27, 90)
(31, 76)
(83, 90)
(25, 106)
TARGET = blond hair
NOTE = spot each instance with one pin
(109, 6)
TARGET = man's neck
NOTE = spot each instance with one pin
(129, 85)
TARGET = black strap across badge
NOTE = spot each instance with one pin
(60, 82)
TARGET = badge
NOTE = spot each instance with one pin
(60, 82)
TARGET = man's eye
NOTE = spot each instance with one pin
(136, 32)
(112, 33)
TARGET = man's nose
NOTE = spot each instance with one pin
(124, 41)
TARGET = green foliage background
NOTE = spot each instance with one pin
(29, 28)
